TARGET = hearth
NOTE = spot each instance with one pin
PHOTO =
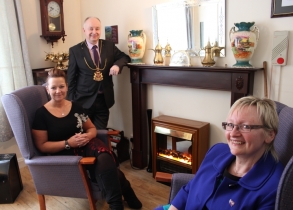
(179, 145)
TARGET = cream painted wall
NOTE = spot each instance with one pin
(128, 15)
(37, 46)
(204, 105)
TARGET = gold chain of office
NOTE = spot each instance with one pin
(98, 76)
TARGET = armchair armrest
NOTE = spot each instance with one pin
(104, 136)
(88, 160)
(54, 175)
(113, 132)
(53, 160)
(178, 180)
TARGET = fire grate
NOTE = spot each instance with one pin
(171, 168)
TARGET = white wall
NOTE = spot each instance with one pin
(204, 105)
(128, 15)
(38, 46)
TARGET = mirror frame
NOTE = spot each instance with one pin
(221, 37)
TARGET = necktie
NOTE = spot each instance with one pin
(96, 55)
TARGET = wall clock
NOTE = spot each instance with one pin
(52, 19)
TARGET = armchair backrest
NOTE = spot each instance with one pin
(284, 147)
(284, 138)
(20, 107)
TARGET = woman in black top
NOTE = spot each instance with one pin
(61, 127)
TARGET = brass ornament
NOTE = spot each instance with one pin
(158, 60)
(58, 58)
(98, 76)
(52, 27)
(208, 59)
(210, 53)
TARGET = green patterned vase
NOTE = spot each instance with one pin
(136, 45)
(243, 42)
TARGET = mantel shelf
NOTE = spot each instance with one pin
(194, 68)
(238, 81)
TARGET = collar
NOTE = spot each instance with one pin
(258, 175)
(90, 46)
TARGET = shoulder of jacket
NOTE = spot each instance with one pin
(79, 45)
(106, 42)
(220, 147)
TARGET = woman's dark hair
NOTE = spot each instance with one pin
(53, 73)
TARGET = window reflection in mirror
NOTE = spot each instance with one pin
(189, 26)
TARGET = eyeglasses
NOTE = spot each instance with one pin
(242, 128)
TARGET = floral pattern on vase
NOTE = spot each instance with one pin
(243, 43)
(136, 45)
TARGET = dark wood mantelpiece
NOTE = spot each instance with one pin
(239, 81)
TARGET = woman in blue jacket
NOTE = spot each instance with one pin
(244, 173)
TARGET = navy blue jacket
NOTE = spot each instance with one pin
(256, 190)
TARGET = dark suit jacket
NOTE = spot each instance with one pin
(81, 86)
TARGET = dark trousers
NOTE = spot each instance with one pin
(99, 112)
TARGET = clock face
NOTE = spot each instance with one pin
(53, 9)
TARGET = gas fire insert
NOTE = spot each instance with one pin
(179, 145)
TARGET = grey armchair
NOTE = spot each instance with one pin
(52, 175)
(284, 147)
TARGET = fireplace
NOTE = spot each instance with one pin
(238, 81)
(179, 145)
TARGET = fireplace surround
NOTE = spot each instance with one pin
(238, 81)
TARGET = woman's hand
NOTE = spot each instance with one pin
(79, 140)
(82, 139)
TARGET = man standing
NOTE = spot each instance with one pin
(91, 66)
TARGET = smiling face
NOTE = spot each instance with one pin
(251, 144)
(92, 30)
(57, 88)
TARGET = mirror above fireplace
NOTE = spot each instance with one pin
(188, 25)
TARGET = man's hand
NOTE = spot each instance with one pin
(114, 70)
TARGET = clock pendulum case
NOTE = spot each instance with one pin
(52, 19)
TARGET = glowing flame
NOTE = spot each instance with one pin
(175, 155)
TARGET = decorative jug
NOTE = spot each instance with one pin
(158, 59)
(243, 42)
(136, 45)
(208, 59)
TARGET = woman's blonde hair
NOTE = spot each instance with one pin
(266, 110)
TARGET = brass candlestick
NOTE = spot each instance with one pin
(58, 58)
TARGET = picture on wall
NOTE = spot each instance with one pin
(281, 8)
(111, 33)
